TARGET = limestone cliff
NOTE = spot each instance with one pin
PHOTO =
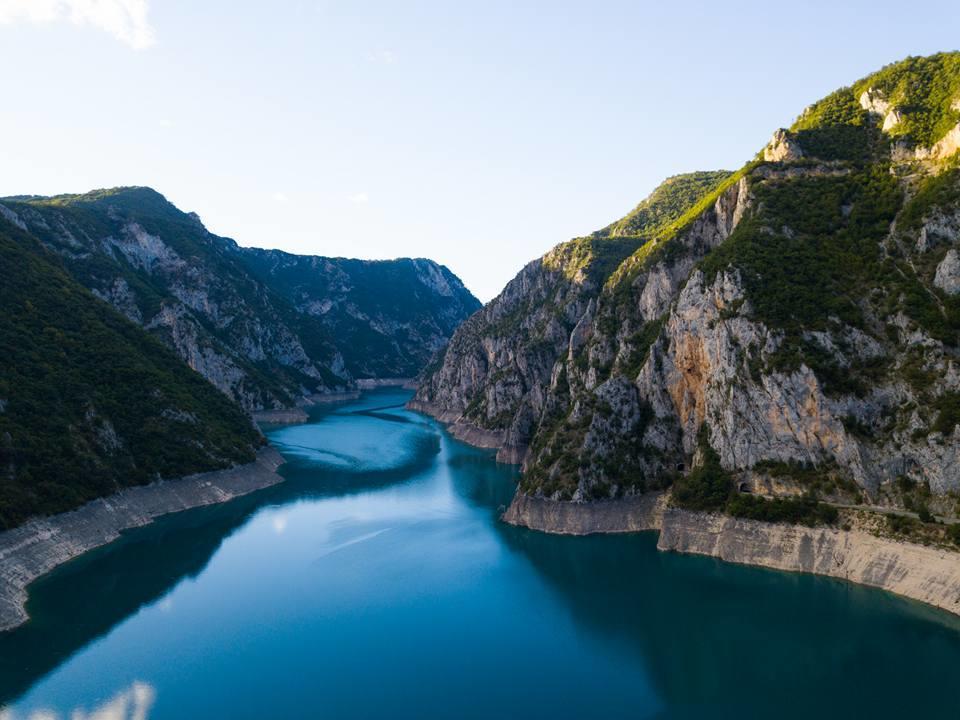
(789, 331)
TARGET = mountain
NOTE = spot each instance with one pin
(89, 402)
(389, 317)
(264, 327)
(770, 343)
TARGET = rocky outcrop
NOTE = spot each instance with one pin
(945, 147)
(947, 277)
(40, 545)
(509, 371)
(791, 331)
(873, 101)
(782, 147)
(388, 317)
(493, 380)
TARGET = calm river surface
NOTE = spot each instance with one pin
(377, 582)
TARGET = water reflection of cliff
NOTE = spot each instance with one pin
(721, 640)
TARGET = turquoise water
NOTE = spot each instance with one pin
(377, 582)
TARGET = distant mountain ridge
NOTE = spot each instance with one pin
(227, 310)
(389, 317)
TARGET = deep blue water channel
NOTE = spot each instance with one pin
(378, 582)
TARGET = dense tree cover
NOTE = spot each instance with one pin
(817, 250)
(838, 128)
(89, 402)
(665, 240)
(937, 191)
(382, 319)
(924, 89)
(667, 204)
(95, 216)
(673, 203)
(812, 248)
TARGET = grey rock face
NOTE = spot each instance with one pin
(388, 318)
(602, 393)
(782, 148)
(516, 366)
(948, 273)
(267, 328)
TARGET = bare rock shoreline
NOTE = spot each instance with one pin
(928, 574)
(298, 413)
(633, 514)
(37, 547)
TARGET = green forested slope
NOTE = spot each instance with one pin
(89, 402)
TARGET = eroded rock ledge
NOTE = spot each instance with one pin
(36, 548)
(634, 514)
(927, 574)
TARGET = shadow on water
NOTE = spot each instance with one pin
(483, 483)
(87, 597)
(722, 640)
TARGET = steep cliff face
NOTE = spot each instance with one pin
(788, 329)
(505, 373)
(228, 311)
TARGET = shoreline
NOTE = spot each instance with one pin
(927, 574)
(639, 513)
(40, 545)
(467, 432)
(374, 383)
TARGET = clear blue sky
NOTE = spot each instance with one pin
(479, 134)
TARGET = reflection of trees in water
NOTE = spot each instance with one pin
(732, 638)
